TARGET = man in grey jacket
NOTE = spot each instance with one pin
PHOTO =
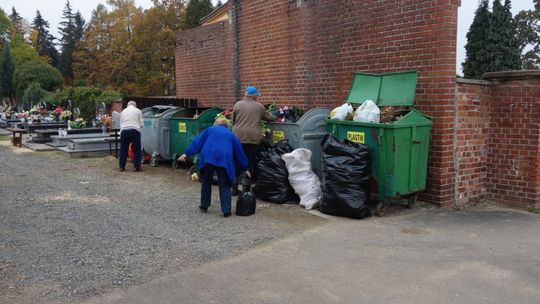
(247, 115)
(131, 122)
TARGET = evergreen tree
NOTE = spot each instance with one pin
(492, 41)
(17, 23)
(7, 68)
(477, 56)
(195, 10)
(71, 30)
(502, 41)
(43, 41)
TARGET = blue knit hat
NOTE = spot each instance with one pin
(250, 90)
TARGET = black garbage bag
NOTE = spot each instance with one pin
(263, 147)
(246, 203)
(273, 180)
(345, 178)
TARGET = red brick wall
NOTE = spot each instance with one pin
(498, 139)
(471, 139)
(304, 53)
(204, 64)
(513, 169)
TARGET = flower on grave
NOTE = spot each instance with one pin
(24, 114)
(104, 120)
(65, 115)
(78, 123)
(58, 110)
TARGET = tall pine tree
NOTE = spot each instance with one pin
(17, 23)
(477, 56)
(71, 30)
(43, 41)
(195, 10)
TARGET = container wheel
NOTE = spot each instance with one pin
(153, 162)
(379, 209)
(411, 201)
(175, 164)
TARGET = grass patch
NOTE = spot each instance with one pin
(534, 210)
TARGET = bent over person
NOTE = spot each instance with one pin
(131, 122)
(220, 152)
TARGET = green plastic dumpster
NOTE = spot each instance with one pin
(186, 124)
(307, 133)
(399, 150)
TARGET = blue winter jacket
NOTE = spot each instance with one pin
(218, 146)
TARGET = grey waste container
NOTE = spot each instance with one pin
(307, 133)
(155, 136)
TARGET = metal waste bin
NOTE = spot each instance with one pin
(307, 133)
(186, 124)
(155, 136)
(399, 149)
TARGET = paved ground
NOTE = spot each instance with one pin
(89, 247)
(426, 256)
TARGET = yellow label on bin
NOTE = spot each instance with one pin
(182, 127)
(357, 137)
(277, 136)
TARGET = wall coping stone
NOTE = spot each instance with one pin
(511, 75)
(473, 81)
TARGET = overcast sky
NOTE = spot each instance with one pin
(51, 10)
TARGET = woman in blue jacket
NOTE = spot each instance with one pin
(219, 151)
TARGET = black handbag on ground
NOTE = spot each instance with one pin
(246, 203)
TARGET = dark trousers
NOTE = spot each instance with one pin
(206, 175)
(126, 137)
(250, 150)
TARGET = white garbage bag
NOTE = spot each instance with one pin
(367, 112)
(341, 112)
(304, 182)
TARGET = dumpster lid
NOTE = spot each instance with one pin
(388, 89)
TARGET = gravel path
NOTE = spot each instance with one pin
(71, 228)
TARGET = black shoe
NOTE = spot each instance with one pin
(235, 192)
(138, 169)
(202, 209)
(226, 214)
(122, 169)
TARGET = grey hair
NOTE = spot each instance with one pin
(132, 103)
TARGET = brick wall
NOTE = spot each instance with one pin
(304, 52)
(204, 64)
(513, 169)
(472, 117)
(498, 139)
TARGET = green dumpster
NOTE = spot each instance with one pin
(399, 149)
(186, 124)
